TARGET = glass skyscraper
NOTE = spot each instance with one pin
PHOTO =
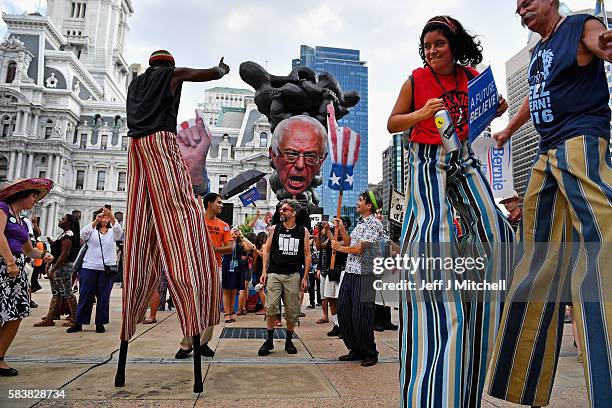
(352, 74)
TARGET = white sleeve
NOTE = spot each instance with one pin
(117, 231)
(86, 231)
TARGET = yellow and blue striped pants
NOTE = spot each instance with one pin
(446, 338)
(565, 256)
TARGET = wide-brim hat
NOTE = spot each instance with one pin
(42, 185)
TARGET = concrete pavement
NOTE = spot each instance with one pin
(80, 368)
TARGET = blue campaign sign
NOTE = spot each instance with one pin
(482, 93)
(249, 196)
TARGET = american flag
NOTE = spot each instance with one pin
(344, 148)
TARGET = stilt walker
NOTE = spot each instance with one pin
(165, 227)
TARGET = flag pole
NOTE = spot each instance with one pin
(332, 119)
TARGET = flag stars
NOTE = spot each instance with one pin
(335, 179)
(349, 179)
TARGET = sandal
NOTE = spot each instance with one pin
(149, 321)
(230, 320)
(322, 320)
(278, 323)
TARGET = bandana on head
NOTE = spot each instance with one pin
(161, 55)
(445, 21)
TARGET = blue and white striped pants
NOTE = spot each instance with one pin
(446, 339)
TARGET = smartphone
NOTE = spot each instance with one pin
(108, 206)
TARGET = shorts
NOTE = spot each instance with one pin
(287, 286)
(332, 288)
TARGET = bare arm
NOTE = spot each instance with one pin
(596, 41)
(265, 258)
(403, 118)
(182, 74)
(225, 249)
(518, 120)
(354, 250)
(5, 249)
(66, 247)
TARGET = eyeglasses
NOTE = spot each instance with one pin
(311, 158)
(285, 209)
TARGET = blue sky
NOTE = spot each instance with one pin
(199, 32)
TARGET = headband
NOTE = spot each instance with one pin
(161, 55)
(445, 21)
(373, 200)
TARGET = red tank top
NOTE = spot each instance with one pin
(455, 99)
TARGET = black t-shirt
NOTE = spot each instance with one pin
(56, 246)
(151, 107)
(287, 253)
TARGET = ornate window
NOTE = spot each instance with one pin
(48, 129)
(263, 139)
(121, 181)
(11, 72)
(80, 180)
(3, 168)
(101, 180)
(222, 181)
(6, 126)
(262, 188)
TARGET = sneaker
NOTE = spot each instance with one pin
(75, 289)
(335, 331)
(290, 347)
(181, 354)
(100, 328)
(265, 348)
(75, 328)
(370, 361)
(350, 357)
(207, 351)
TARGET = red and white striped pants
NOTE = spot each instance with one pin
(165, 231)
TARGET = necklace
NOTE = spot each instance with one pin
(14, 214)
(453, 101)
(554, 29)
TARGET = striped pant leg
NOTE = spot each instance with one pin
(487, 235)
(141, 251)
(527, 347)
(431, 326)
(584, 172)
(184, 246)
(344, 312)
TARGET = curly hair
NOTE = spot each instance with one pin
(466, 48)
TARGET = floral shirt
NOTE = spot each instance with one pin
(368, 230)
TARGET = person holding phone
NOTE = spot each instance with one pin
(101, 237)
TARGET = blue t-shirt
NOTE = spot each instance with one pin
(565, 99)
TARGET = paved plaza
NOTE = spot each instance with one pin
(83, 364)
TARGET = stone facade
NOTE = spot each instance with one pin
(63, 86)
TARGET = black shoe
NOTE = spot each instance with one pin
(8, 372)
(75, 289)
(100, 328)
(265, 348)
(390, 326)
(36, 289)
(370, 361)
(350, 357)
(75, 328)
(310, 306)
(33, 304)
(335, 331)
(378, 327)
(290, 347)
(301, 314)
(181, 354)
(207, 351)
